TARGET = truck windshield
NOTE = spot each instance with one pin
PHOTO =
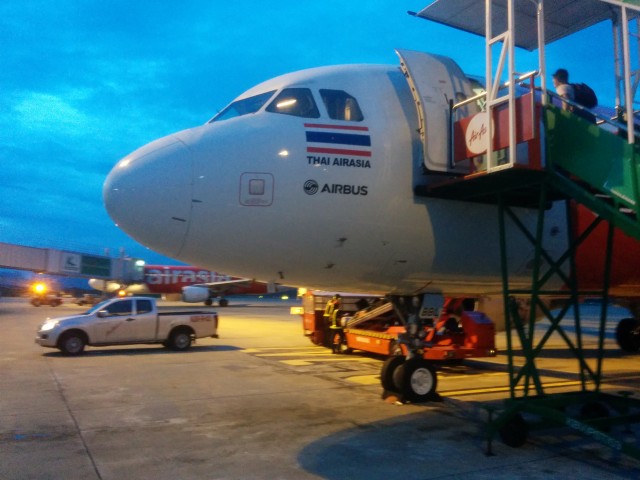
(243, 107)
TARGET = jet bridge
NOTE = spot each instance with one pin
(528, 151)
(68, 263)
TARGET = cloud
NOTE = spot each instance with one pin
(48, 114)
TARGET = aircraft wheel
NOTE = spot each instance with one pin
(417, 380)
(389, 367)
(628, 334)
(514, 432)
(223, 302)
(72, 343)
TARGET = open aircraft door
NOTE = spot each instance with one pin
(434, 82)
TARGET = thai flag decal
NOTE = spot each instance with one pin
(338, 139)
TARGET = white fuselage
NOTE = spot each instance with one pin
(257, 196)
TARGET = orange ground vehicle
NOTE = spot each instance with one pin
(371, 324)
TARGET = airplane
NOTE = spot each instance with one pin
(323, 167)
(187, 283)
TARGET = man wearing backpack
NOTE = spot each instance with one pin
(579, 93)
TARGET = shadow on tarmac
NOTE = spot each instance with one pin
(564, 352)
(449, 441)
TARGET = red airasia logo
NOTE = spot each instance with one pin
(181, 276)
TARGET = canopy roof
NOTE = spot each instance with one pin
(562, 17)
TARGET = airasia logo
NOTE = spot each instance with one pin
(476, 135)
(172, 276)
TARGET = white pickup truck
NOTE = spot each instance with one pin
(122, 321)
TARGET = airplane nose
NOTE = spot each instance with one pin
(148, 195)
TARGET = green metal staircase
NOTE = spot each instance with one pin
(596, 167)
(599, 169)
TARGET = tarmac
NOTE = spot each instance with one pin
(262, 402)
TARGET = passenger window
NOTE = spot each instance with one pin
(120, 308)
(341, 106)
(295, 101)
(243, 107)
(144, 306)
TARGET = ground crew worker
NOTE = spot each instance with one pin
(331, 313)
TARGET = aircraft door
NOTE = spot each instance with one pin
(434, 81)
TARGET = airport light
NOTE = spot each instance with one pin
(39, 288)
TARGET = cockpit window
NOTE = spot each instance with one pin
(295, 101)
(243, 107)
(341, 106)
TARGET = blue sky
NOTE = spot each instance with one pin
(83, 83)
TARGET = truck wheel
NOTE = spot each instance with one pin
(417, 380)
(36, 302)
(72, 343)
(628, 334)
(180, 340)
(223, 302)
(387, 372)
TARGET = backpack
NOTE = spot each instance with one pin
(584, 95)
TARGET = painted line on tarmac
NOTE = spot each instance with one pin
(373, 379)
(268, 349)
(312, 355)
(476, 373)
(364, 379)
(477, 391)
(295, 354)
(312, 361)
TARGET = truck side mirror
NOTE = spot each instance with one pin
(103, 313)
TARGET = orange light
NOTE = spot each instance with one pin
(122, 293)
(39, 288)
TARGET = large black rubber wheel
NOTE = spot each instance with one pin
(387, 372)
(72, 343)
(180, 340)
(417, 380)
(223, 302)
(628, 335)
(514, 432)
